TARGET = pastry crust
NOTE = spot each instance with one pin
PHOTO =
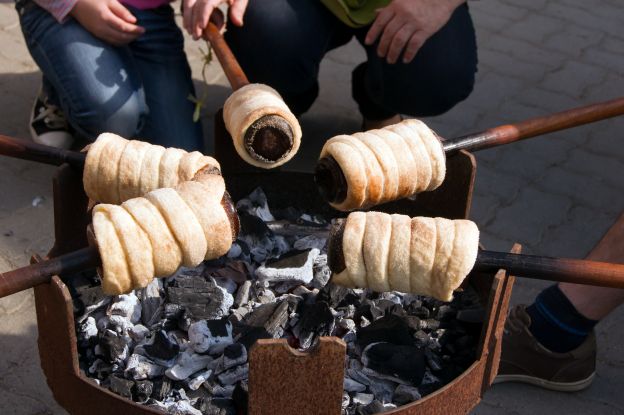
(425, 256)
(250, 103)
(398, 161)
(114, 271)
(117, 169)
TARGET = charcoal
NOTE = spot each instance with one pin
(161, 388)
(138, 332)
(162, 347)
(242, 295)
(346, 400)
(140, 368)
(406, 363)
(172, 313)
(382, 389)
(374, 407)
(405, 394)
(181, 407)
(254, 227)
(422, 312)
(413, 322)
(233, 355)
(143, 390)
(391, 329)
(433, 361)
(336, 295)
(351, 385)
(151, 303)
(114, 347)
(236, 374)
(266, 321)
(217, 406)
(202, 297)
(210, 336)
(187, 363)
(121, 386)
(240, 396)
(199, 379)
(357, 375)
(474, 316)
(310, 242)
(362, 398)
(429, 324)
(316, 320)
(322, 273)
(430, 384)
(446, 312)
(293, 266)
(256, 204)
(126, 306)
(87, 332)
(218, 390)
(235, 271)
(265, 296)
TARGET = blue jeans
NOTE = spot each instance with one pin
(139, 90)
(283, 42)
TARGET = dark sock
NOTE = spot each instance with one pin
(556, 323)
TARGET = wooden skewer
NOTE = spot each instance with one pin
(332, 183)
(29, 150)
(267, 138)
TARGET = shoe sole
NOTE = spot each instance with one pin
(547, 384)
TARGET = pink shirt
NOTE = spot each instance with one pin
(61, 8)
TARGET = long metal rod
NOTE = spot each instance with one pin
(29, 150)
(505, 134)
(232, 69)
(27, 277)
(577, 271)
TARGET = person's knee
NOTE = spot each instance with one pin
(125, 118)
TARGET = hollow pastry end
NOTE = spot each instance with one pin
(330, 180)
(269, 139)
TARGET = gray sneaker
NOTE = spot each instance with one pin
(524, 359)
(48, 124)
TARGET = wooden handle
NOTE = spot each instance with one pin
(576, 271)
(27, 277)
(232, 69)
(29, 150)
(509, 133)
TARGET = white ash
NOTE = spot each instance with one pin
(181, 344)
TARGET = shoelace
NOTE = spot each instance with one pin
(51, 116)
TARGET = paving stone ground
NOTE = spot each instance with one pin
(556, 195)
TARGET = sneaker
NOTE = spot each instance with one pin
(48, 124)
(524, 359)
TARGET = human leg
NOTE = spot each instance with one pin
(166, 77)
(441, 75)
(95, 84)
(282, 44)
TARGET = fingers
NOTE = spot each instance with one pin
(383, 17)
(237, 10)
(388, 34)
(127, 32)
(120, 11)
(187, 14)
(201, 15)
(399, 41)
(413, 46)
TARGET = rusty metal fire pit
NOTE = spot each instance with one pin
(319, 372)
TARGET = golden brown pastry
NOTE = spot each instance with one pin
(250, 103)
(426, 256)
(117, 169)
(154, 235)
(387, 164)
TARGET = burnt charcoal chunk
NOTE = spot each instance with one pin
(143, 390)
(375, 407)
(391, 329)
(112, 346)
(217, 406)
(404, 362)
(471, 316)
(241, 397)
(337, 296)
(161, 388)
(201, 296)
(316, 320)
(253, 225)
(251, 334)
(292, 259)
(236, 271)
(163, 347)
(121, 386)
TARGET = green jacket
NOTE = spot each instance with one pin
(355, 13)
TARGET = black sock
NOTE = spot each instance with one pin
(556, 323)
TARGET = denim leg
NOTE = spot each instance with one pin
(282, 44)
(441, 75)
(97, 85)
(166, 76)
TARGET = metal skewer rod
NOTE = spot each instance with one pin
(509, 133)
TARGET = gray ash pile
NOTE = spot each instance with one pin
(181, 344)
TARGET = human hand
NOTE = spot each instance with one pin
(108, 20)
(405, 25)
(196, 14)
